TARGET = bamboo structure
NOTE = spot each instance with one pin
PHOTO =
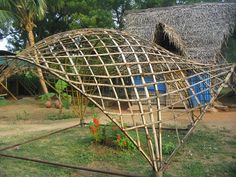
(11, 67)
(103, 65)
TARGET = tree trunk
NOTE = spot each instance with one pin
(39, 70)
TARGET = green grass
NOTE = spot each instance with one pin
(66, 115)
(207, 153)
(71, 147)
(3, 101)
(23, 116)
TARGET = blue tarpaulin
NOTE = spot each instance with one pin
(200, 85)
(151, 88)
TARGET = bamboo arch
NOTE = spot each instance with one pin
(125, 70)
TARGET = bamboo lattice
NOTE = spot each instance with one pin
(134, 82)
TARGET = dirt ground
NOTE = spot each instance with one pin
(28, 115)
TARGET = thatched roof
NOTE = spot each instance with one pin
(166, 35)
(199, 30)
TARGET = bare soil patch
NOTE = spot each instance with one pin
(28, 115)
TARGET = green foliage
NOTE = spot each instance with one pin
(96, 131)
(95, 18)
(60, 86)
(168, 148)
(67, 148)
(66, 100)
(3, 101)
(124, 143)
(64, 15)
(66, 115)
(72, 146)
(47, 96)
(195, 169)
(17, 19)
(225, 91)
(20, 10)
(144, 4)
(197, 1)
(109, 135)
(229, 49)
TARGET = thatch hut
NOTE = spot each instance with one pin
(197, 31)
(13, 80)
(3, 66)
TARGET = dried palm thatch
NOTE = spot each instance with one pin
(203, 27)
(108, 61)
(166, 35)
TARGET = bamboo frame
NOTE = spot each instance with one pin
(103, 66)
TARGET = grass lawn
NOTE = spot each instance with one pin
(207, 153)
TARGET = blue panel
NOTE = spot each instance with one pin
(201, 86)
(2, 61)
(151, 88)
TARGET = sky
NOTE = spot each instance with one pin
(3, 44)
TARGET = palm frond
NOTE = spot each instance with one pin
(5, 4)
(37, 7)
(6, 16)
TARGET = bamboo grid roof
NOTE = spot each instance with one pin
(109, 61)
(203, 28)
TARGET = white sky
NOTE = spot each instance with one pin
(3, 44)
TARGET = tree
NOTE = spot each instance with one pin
(118, 8)
(144, 4)
(91, 14)
(61, 16)
(23, 13)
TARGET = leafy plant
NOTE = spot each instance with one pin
(60, 86)
(96, 130)
(62, 96)
(66, 100)
(124, 143)
(3, 101)
(168, 148)
(46, 96)
(109, 135)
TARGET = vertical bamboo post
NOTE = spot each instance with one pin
(158, 173)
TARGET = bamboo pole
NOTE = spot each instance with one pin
(8, 91)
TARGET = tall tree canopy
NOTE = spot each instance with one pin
(21, 14)
(144, 4)
(72, 14)
(62, 15)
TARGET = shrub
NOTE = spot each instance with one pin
(168, 148)
(109, 135)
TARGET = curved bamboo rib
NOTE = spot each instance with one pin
(137, 84)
